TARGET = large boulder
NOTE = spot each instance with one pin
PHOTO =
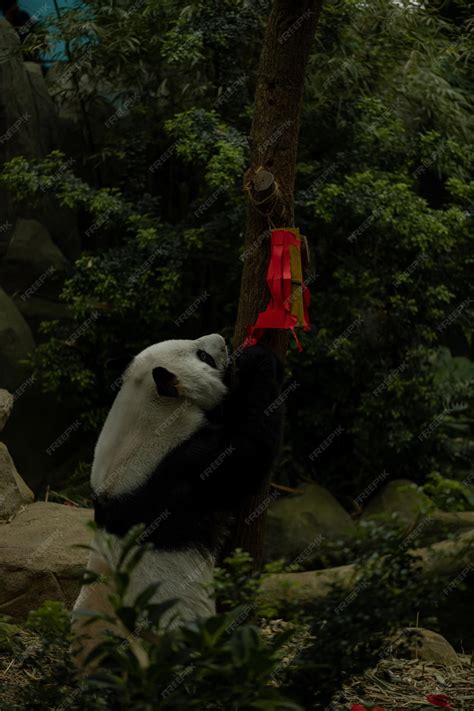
(14, 493)
(16, 343)
(38, 560)
(300, 526)
(425, 645)
(446, 559)
(400, 500)
(35, 310)
(37, 418)
(6, 406)
(402, 504)
(17, 119)
(32, 264)
(29, 127)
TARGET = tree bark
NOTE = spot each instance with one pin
(269, 183)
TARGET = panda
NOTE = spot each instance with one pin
(190, 434)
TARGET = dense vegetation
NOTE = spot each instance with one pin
(227, 661)
(384, 192)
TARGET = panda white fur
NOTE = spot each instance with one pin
(186, 440)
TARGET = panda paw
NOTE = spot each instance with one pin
(256, 361)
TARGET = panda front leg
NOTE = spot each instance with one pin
(251, 424)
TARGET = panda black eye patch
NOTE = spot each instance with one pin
(206, 358)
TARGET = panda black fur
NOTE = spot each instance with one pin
(179, 451)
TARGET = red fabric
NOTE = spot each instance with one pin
(440, 700)
(278, 312)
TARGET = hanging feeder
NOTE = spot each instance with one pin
(289, 295)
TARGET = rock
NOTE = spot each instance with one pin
(446, 559)
(37, 418)
(424, 645)
(32, 264)
(6, 406)
(29, 123)
(299, 525)
(16, 343)
(27, 109)
(401, 497)
(61, 222)
(438, 525)
(35, 310)
(9, 63)
(13, 490)
(38, 560)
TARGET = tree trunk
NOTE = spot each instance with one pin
(269, 183)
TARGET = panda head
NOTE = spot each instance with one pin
(181, 369)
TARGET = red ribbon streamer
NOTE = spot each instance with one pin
(278, 312)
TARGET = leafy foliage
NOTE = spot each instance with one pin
(218, 663)
(226, 661)
(384, 189)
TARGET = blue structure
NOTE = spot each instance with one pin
(42, 11)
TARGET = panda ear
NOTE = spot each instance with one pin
(165, 382)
